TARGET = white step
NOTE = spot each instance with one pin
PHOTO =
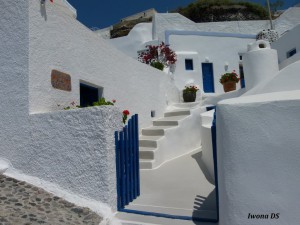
(169, 121)
(147, 153)
(186, 105)
(177, 113)
(155, 130)
(146, 164)
(135, 219)
(149, 141)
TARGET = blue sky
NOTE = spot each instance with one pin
(103, 13)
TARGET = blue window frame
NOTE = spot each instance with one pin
(189, 64)
(291, 53)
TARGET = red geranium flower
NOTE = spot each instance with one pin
(126, 112)
(114, 100)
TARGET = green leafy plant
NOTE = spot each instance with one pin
(102, 101)
(157, 65)
(229, 77)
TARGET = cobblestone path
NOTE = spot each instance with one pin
(24, 204)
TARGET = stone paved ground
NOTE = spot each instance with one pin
(24, 204)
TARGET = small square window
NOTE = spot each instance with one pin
(291, 53)
(189, 64)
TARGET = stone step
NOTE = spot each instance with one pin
(187, 105)
(149, 141)
(147, 153)
(177, 113)
(155, 130)
(169, 121)
(146, 164)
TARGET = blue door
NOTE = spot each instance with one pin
(208, 78)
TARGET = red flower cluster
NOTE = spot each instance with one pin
(161, 53)
(227, 77)
(51, 1)
(190, 89)
(126, 112)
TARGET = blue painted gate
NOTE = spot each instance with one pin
(208, 78)
(127, 163)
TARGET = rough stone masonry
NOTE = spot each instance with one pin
(24, 204)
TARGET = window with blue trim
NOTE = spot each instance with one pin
(189, 64)
(291, 53)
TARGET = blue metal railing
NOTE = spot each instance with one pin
(214, 146)
(128, 177)
(127, 163)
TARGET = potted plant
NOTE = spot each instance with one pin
(189, 93)
(229, 81)
(158, 56)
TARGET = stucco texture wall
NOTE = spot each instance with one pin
(58, 41)
(287, 42)
(258, 158)
(75, 149)
(14, 121)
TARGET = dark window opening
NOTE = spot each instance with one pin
(291, 53)
(88, 95)
(189, 64)
(242, 78)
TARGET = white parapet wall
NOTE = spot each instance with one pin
(258, 159)
(75, 149)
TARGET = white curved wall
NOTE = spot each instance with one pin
(260, 64)
(135, 40)
(258, 158)
(287, 79)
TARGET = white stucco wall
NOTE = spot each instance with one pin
(14, 120)
(287, 79)
(218, 50)
(258, 158)
(135, 40)
(260, 64)
(75, 149)
(61, 42)
(287, 42)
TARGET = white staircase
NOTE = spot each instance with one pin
(157, 142)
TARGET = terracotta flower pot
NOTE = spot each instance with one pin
(229, 86)
(189, 96)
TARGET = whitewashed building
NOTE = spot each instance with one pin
(48, 58)
(205, 50)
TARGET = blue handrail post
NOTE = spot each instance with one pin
(122, 170)
(117, 143)
(127, 163)
(214, 145)
(137, 152)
